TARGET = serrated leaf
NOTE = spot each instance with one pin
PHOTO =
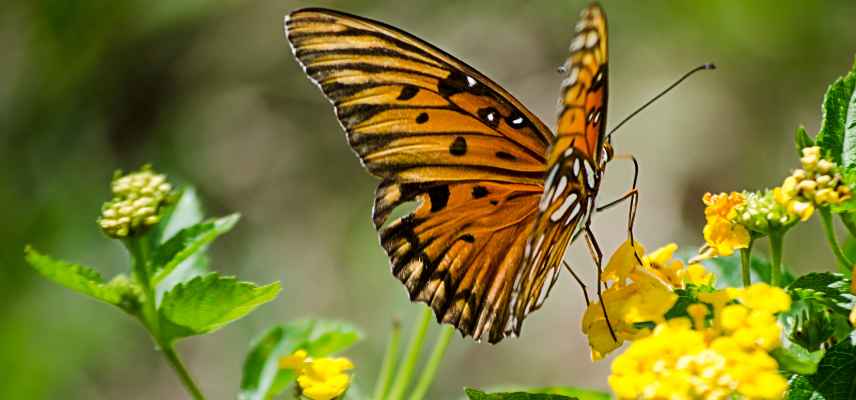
(186, 212)
(474, 394)
(83, 279)
(799, 388)
(836, 104)
(835, 378)
(207, 303)
(262, 377)
(188, 242)
(797, 359)
(848, 156)
(802, 140)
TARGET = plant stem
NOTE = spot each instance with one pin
(405, 371)
(776, 239)
(746, 264)
(169, 351)
(388, 365)
(843, 263)
(139, 248)
(430, 370)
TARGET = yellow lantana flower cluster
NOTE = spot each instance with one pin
(689, 358)
(638, 293)
(319, 379)
(137, 199)
(722, 234)
(817, 184)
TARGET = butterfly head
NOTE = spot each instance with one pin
(608, 151)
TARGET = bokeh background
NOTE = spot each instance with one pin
(208, 92)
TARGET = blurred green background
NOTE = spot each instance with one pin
(208, 92)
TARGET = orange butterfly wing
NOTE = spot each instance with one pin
(575, 162)
(443, 135)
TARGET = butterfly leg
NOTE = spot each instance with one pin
(597, 255)
(633, 196)
(579, 281)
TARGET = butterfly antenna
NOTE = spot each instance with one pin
(666, 90)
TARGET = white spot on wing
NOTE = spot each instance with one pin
(560, 189)
(590, 175)
(577, 43)
(470, 81)
(517, 121)
(577, 167)
(591, 39)
(572, 77)
(557, 215)
(572, 214)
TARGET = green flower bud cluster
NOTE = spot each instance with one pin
(761, 213)
(135, 207)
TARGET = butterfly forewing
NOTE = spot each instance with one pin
(444, 136)
(574, 163)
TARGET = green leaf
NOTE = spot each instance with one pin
(262, 377)
(186, 243)
(836, 104)
(474, 394)
(797, 359)
(799, 388)
(848, 156)
(821, 303)
(835, 378)
(802, 140)
(119, 292)
(207, 303)
(185, 212)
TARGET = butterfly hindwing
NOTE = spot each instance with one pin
(442, 136)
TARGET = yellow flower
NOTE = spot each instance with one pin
(684, 360)
(325, 378)
(721, 205)
(645, 298)
(723, 237)
(295, 361)
(622, 262)
(761, 296)
(697, 275)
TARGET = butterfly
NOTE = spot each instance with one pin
(498, 197)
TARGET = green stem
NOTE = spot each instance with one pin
(843, 263)
(433, 363)
(746, 264)
(405, 371)
(169, 351)
(776, 240)
(389, 359)
(140, 250)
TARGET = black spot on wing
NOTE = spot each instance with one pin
(422, 118)
(479, 192)
(458, 146)
(505, 156)
(439, 196)
(408, 92)
(468, 238)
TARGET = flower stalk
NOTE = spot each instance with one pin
(414, 348)
(388, 366)
(776, 243)
(433, 364)
(746, 265)
(844, 264)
